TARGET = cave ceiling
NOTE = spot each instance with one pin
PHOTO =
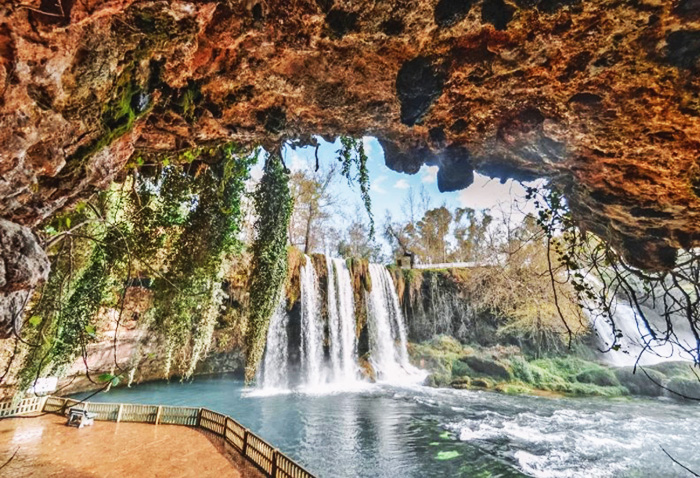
(600, 97)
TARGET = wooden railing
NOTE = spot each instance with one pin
(22, 407)
(264, 456)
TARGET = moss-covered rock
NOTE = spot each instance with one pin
(599, 376)
(685, 388)
(639, 384)
(461, 382)
(487, 366)
(483, 382)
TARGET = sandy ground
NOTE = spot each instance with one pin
(44, 447)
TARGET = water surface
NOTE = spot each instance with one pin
(387, 431)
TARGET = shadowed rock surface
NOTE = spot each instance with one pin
(601, 97)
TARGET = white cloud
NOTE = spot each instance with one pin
(401, 184)
(256, 172)
(488, 193)
(429, 174)
(376, 185)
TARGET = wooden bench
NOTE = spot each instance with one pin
(77, 417)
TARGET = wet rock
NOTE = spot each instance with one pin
(639, 384)
(487, 366)
(407, 161)
(461, 383)
(685, 388)
(273, 118)
(459, 125)
(552, 6)
(419, 82)
(497, 12)
(683, 48)
(341, 22)
(449, 12)
(586, 98)
(456, 170)
(23, 266)
(688, 9)
(437, 136)
(393, 27)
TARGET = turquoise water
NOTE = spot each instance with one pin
(385, 431)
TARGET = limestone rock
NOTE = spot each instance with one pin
(600, 97)
(23, 266)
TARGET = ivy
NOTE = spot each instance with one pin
(188, 297)
(273, 206)
(352, 153)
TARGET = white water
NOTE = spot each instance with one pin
(275, 365)
(341, 321)
(637, 344)
(387, 330)
(311, 327)
(338, 369)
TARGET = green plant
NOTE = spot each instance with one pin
(273, 206)
(352, 152)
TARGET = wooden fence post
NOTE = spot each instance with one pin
(160, 410)
(119, 413)
(225, 426)
(245, 441)
(274, 463)
(199, 417)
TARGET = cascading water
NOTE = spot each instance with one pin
(339, 366)
(275, 372)
(637, 345)
(341, 322)
(387, 331)
(311, 326)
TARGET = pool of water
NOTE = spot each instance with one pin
(415, 431)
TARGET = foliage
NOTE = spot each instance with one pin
(313, 200)
(602, 279)
(188, 297)
(352, 153)
(429, 237)
(273, 207)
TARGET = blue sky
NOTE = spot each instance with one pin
(389, 189)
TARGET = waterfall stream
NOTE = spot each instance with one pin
(328, 353)
(275, 366)
(311, 326)
(387, 330)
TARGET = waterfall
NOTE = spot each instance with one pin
(341, 321)
(311, 326)
(338, 364)
(387, 331)
(276, 366)
(637, 345)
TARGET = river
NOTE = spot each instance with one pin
(415, 431)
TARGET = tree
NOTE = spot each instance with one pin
(433, 230)
(357, 242)
(313, 202)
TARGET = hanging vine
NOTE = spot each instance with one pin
(273, 207)
(352, 153)
(601, 277)
(188, 297)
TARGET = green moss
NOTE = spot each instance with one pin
(510, 372)
(118, 116)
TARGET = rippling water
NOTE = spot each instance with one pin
(383, 431)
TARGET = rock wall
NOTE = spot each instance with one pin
(601, 97)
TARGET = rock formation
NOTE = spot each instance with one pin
(601, 97)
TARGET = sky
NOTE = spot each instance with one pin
(389, 189)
